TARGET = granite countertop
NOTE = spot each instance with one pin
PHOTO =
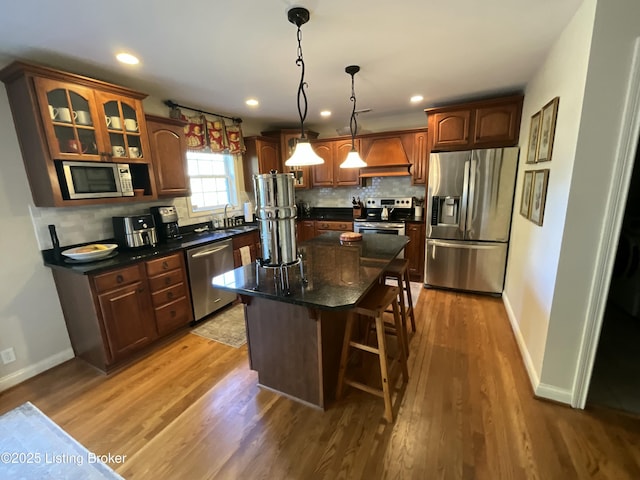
(342, 214)
(338, 275)
(128, 256)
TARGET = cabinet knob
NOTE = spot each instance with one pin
(167, 280)
(141, 290)
(173, 313)
(170, 295)
(119, 279)
(165, 265)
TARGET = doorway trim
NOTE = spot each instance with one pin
(618, 192)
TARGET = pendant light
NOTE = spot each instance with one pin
(353, 159)
(303, 154)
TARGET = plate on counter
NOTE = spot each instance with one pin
(90, 253)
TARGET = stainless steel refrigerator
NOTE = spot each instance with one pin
(469, 206)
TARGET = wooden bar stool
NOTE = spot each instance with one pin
(372, 307)
(399, 270)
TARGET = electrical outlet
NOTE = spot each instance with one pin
(8, 356)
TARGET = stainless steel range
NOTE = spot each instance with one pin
(385, 215)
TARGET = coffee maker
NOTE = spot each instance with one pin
(166, 219)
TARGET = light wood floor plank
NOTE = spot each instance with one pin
(192, 409)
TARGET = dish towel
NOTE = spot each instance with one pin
(245, 255)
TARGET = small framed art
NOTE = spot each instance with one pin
(525, 201)
(547, 130)
(534, 136)
(539, 196)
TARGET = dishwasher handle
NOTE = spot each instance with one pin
(206, 253)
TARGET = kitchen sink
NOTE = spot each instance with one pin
(240, 229)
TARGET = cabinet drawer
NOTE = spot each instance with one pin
(165, 280)
(117, 278)
(333, 225)
(173, 315)
(167, 295)
(160, 265)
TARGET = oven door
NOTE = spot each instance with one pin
(382, 228)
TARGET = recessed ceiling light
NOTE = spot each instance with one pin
(417, 98)
(127, 58)
(252, 102)
(325, 113)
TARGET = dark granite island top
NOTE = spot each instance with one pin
(337, 275)
(294, 341)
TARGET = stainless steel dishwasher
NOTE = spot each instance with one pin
(205, 263)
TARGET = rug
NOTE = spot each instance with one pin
(33, 446)
(225, 327)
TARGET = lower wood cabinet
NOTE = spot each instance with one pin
(169, 292)
(306, 230)
(114, 314)
(323, 226)
(414, 251)
(250, 240)
(124, 309)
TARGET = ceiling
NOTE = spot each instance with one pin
(215, 55)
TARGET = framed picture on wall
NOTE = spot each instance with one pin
(548, 130)
(534, 136)
(539, 195)
(525, 201)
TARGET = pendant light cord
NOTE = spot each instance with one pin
(353, 124)
(302, 96)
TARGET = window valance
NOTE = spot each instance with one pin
(205, 132)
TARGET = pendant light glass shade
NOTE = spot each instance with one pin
(353, 159)
(303, 155)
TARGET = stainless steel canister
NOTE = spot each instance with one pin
(276, 215)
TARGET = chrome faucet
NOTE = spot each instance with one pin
(226, 220)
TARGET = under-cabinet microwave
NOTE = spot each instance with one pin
(95, 180)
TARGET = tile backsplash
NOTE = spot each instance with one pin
(87, 224)
(376, 187)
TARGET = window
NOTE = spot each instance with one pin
(213, 183)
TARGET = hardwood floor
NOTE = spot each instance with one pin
(192, 410)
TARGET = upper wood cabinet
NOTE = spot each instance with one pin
(169, 154)
(420, 158)
(483, 124)
(262, 155)
(62, 116)
(334, 152)
(322, 175)
(288, 140)
(345, 176)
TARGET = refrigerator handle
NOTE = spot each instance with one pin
(463, 201)
(473, 166)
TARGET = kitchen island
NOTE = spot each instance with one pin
(295, 338)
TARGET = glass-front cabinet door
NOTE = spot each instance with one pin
(69, 118)
(122, 117)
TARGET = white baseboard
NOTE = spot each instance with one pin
(550, 392)
(534, 377)
(541, 390)
(33, 370)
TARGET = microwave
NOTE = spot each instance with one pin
(95, 180)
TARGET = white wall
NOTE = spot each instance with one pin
(535, 250)
(552, 269)
(615, 31)
(31, 319)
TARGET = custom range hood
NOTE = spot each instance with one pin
(386, 157)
